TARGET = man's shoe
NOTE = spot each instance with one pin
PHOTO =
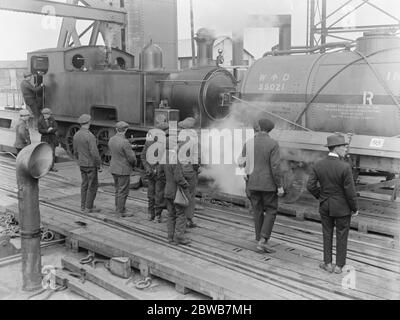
(327, 267)
(262, 246)
(338, 270)
(191, 224)
(92, 210)
(171, 240)
(182, 241)
(126, 214)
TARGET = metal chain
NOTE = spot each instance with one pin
(9, 225)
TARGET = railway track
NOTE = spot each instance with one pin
(222, 249)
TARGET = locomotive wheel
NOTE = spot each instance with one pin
(69, 136)
(295, 183)
(103, 135)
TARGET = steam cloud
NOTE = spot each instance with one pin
(223, 176)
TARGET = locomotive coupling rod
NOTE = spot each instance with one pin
(271, 113)
(33, 162)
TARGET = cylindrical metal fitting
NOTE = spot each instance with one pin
(33, 162)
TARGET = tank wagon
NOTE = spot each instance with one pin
(354, 91)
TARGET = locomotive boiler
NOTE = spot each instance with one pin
(354, 91)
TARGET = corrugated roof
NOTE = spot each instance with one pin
(18, 64)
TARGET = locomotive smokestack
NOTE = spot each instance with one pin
(205, 39)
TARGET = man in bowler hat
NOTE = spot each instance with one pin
(331, 182)
(264, 183)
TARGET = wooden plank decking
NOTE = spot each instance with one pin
(222, 261)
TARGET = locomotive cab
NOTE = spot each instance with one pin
(101, 82)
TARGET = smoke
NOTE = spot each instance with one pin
(226, 16)
(111, 31)
(224, 176)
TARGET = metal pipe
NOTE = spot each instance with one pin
(192, 34)
(324, 30)
(341, 44)
(33, 162)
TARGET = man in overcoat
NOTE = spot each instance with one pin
(123, 159)
(331, 182)
(155, 177)
(89, 161)
(190, 161)
(47, 127)
(22, 135)
(176, 223)
(264, 183)
(29, 93)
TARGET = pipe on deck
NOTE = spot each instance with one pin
(33, 162)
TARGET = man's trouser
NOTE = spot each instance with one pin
(264, 201)
(191, 178)
(176, 223)
(155, 194)
(35, 107)
(89, 186)
(121, 184)
(342, 233)
(53, 149)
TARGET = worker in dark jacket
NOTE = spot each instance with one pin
(22, 136)
(189, 159)
(155, 177)
(264, 183)
(331, 181)
(123, 159)
(29, 93)
(47, 127)
(176, 223)
(89, 161)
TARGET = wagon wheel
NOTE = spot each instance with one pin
(69, 138)
(103, 135)
(294, 183)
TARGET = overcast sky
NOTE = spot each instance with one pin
(21, 33)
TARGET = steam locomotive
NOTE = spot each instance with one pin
(103, 82)
(309, 96)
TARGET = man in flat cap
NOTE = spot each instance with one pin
(123, 159)
(89, 161)
(264, 183)
(22, 136)
(30, 95)
(189, 159)
(47, 127)
(331, 181)
(154, 175)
